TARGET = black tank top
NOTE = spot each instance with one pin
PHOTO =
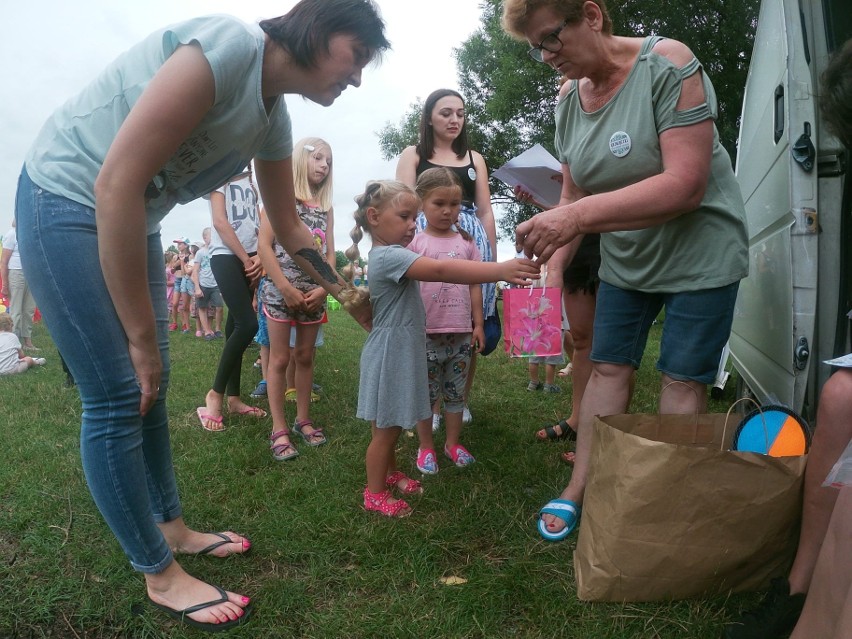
(466, 173)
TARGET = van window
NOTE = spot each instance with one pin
(838, 23)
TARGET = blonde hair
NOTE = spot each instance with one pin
(305, 191)
(6, 323)
(378, 195)
(440, 177)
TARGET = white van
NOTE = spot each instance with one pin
(791, 312)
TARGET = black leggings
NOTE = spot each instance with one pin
(241, 326)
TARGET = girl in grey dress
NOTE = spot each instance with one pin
(393, 392)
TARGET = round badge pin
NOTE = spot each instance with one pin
(619, 144)
(471, 173)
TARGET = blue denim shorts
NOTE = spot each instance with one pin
(695, 330)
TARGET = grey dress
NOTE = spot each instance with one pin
(394, 388)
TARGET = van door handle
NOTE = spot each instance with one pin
(803, 150)
(779, 112)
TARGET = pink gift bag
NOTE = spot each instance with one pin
(532, 321)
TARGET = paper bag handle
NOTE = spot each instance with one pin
(677, 381)
(728, 416)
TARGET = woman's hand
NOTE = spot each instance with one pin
(145, 357)
(253, 269)
(541, 235)
(519, 271)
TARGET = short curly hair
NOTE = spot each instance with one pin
(516, 13)
(6, 323)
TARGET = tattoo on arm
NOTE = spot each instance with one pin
(322, 267)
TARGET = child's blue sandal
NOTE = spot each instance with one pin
(567, 510)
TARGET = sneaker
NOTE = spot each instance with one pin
(316, 388)
(40, 361)
(209, 337)
(534, 386)
(427, 461)
(217, 334)
(436, 422)
(773, 618)
(466, 416)
(259, 390)
(460, 455)
(199, 334)
(172, 327)
(551, 388)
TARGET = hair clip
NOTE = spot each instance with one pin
(310, 148)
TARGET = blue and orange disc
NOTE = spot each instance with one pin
(785, 433)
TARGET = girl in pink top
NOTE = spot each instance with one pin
(454, 324)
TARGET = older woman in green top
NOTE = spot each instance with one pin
(642, 165)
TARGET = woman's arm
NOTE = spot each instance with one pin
(316, 297)
(275, 179)
(483, 202)
(265, 250)
(679, 188)
(5, 256)
(406, 167)
(478, 334)
(172, 105)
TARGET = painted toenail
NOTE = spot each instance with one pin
(246, 600)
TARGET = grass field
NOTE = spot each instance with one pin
(319, 566)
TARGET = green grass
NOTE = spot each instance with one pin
(319, 566)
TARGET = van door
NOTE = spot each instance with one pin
(791, 177)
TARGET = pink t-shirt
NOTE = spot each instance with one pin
(447, 305)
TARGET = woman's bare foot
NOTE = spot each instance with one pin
(174, 588)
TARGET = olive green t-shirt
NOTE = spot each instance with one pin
(618, 145)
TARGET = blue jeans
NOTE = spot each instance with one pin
(126, 458)
(695, 330)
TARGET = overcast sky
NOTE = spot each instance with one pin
(52, 50)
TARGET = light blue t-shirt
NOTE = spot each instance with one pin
(70, 149)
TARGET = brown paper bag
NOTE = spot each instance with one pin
(669, 512)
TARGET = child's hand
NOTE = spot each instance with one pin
(477, 340)
(198, 293)
(519, 271)
(294, 299)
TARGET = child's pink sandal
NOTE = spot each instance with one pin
(378, 502)
(411, 486)
(282, 452)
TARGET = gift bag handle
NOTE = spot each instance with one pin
(677, 381)
(543, 279)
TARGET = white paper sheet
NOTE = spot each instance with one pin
(537, 171)
(844, 361)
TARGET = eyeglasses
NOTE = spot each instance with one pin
(551, 43)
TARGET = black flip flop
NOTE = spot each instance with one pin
(218, 544)
(181, 615)
(567, 432)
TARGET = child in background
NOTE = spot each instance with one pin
(207, 293)
(290, 297)
(393, 391)
(188, 288)
(454, 325)
(170, 278)
(12, 358)
(550, 363)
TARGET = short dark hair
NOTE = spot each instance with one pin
(306, 29)
(426, 145)
(836, 94)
